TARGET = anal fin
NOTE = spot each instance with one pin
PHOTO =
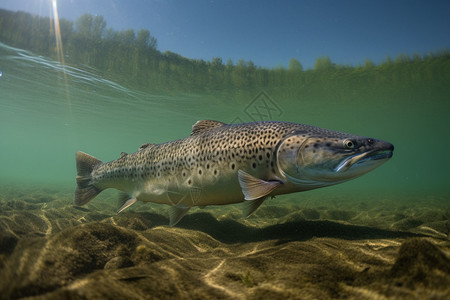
(176, 213)
(254, 188)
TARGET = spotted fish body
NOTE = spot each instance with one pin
(229, 163)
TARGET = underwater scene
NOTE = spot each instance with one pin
(77, 85)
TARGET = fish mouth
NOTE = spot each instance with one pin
(362, 158)
(377, 154)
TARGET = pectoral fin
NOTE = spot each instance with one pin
(251, 205)
(176, 213)
(254, 188)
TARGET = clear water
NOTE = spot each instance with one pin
(49, 111)
(362, 237)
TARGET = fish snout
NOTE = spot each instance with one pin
(380, 149)
(386, 146)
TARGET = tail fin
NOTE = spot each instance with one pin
(85, 190)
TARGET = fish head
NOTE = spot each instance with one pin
(312, 161)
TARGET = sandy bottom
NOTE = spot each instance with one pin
(378, 249)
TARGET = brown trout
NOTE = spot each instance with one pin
(230, 163)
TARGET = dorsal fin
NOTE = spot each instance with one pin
(145, 146)
(203, 125)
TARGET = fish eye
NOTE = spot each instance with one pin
(349, 144)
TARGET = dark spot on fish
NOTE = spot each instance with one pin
(199, 172)
(254, 165)
(215, 172)
(207, 166)
(232, 166)
(328, 144)
(260, 157)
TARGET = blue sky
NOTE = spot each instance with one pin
(270, 33)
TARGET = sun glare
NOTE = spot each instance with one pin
(59, 47)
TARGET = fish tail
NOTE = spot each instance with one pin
(85, 190)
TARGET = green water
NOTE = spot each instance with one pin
(48, 112)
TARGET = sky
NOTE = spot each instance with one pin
(270, 33)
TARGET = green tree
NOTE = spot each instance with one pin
(83, 25)
(216, 63)
(402, 58)
(323, 63)
(388, 60)
(416, 57)
(66, 28)
(144, 40)
(295, 65)
(98, 27)
(368, 64)
(126, 37)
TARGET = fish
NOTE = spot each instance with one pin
(223, 163)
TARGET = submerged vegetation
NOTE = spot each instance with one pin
(134, 58)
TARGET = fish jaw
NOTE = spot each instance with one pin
(375, 158)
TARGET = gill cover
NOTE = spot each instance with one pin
(288, 155)
(305, 161)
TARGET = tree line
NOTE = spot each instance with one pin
(135, 59)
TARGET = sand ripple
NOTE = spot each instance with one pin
(52, 250)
